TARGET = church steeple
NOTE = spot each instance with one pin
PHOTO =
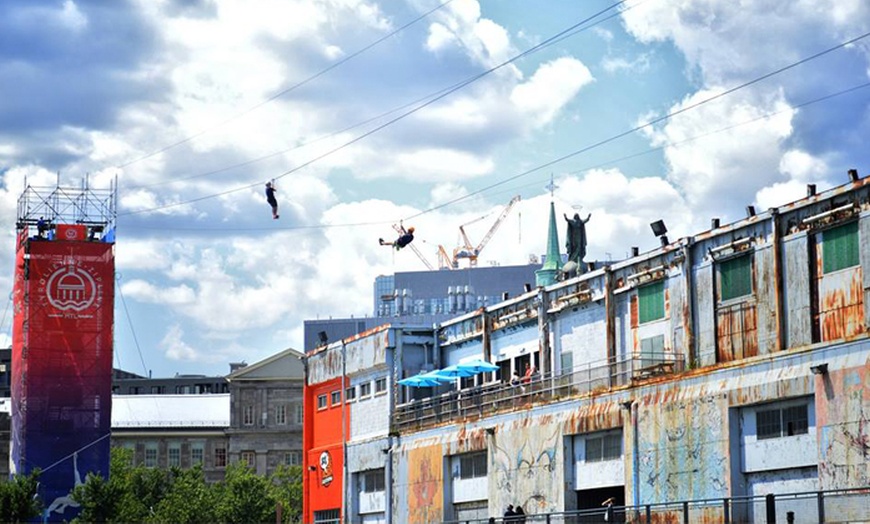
(548, 272)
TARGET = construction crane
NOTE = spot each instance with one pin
(472, 252)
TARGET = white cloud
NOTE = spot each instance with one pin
(147, 292)
(802, 166)
(550, 88)
(176, 349)
(722, 171)
(71, 17)
(442, 164)
(640, 64)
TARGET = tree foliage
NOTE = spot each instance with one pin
(139, 494)
(18, 498)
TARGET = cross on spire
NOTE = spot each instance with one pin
(551, 187)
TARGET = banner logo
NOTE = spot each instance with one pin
(71, 288)
(326, 468)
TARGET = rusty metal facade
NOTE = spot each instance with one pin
(679, 424)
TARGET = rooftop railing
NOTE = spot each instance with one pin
(479, 401)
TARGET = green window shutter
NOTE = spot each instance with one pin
(651, 302)
(840, 248)
(735, 277)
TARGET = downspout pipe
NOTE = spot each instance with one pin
(344, 476)
(776, 240)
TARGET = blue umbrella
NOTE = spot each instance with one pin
(454, 371)
(478, 366)
(420, 381)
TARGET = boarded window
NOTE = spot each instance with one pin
(735, 277)
(651, 302)
(652, 350)
(840, 248)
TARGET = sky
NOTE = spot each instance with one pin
(428, 113)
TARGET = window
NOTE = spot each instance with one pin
(281, 415)
(604, 447)
(735, 277)
(336, 398)
(157, 390)
(297, 414)
(220, 457)
(373, 481)
(293, 458)
(840, 248)
(782, 422)
(174, 454)
(151, 455)
(327, 515)
(321, 401)
(472, 465)
(350, 394)
(380, 385)
(248, 416)
(249, 458)
(365, 389)
(651, 302)
(197, 452)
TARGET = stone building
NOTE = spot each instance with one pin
(266, 412)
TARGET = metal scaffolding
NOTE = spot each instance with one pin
(84, 205)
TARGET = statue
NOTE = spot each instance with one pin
(576, 239)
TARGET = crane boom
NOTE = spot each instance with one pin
(497, 223)
(470, 252)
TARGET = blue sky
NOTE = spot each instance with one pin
(178, 100)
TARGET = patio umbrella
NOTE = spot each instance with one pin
(478, 366)
(454, 371)
(420, 381)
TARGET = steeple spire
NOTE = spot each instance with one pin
(548, 272)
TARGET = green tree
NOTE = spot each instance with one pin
(190, 500)
(19, 501)
(244, 496)
(287, 490)
(99, 499)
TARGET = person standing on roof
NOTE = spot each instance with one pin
(270, 198)
(404, 239)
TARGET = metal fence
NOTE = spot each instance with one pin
(478, 401)
(832, 506)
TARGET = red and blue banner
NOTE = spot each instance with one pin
(62, 365)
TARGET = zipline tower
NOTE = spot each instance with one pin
(62, 339)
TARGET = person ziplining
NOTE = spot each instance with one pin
(270, 198)
(405, 238)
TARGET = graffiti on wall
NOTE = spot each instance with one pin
(425, 480)
(843, 418)
(684, 449)
(527, 469)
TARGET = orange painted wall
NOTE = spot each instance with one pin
(425, 481)
(323, 457)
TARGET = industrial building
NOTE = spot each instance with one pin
(722, 377)
(425, 298)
